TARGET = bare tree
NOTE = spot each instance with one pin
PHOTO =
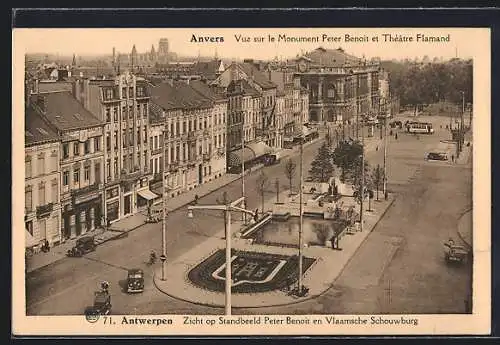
(262, 184)
(290, 169)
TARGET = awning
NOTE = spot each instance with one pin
(147, 194)
(235, 156)
(29, 240)
(259, 148)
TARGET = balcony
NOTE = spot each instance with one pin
(44, 210)
(88, 189)
(173, 167)
(128, 177)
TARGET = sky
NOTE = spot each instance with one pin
(463, 43)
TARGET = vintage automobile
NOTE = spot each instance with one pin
(437, 156)
(83, 245)
(102, 304)
(454, 252)
(135, 280)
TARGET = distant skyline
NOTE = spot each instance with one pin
(92, 42)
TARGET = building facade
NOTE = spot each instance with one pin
(341, 87)
(195, 124)
(122, 103)
(81, 161)
(42, 207)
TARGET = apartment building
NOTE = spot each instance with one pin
(42, 207)
(81, 160)
(194, 119)
(122, 103)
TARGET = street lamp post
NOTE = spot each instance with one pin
(164, 210)
(385, 157)
(362, 180)
(244, 215)
(301, 223)
(227, 208)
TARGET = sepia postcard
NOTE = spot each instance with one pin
(236, 181)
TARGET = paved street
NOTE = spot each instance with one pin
(398, 269)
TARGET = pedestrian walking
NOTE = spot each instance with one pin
(396, 136)
(453, 158)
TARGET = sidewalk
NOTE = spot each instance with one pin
(123, 226)
(318, 278)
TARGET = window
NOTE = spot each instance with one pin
(27, 166)
(65, 178)
(65, 150)
(140, 91)
(54, 191)
(53, 161)
(124, 138)
(177, 126)
(86, 146)
(97, 172)
(130, 112)
(184, 127)
(28, 199)
(131, 162)
(108, 168)
(115, 114)
(331, 91)
(115, 166)
(171, 130)
(76, 149)
(116, 141)
(138, 136)
(138, 110)
(41, 164)
(130, 138)
(108, 141)
(145, 136)
(29, 227)
(97, 144)
(124, 116)
(131, 92)
(108, 115)
(108, 94)
(155, 146)
(41, 193)
(124, 92)
(190, 125)
(86, 173)
(145, 110)
(76, 176)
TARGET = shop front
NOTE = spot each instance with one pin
(82, 214)
(113, 204)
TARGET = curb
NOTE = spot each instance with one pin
(458, 231)
(308, 298)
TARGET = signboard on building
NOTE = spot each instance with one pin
(80, 199)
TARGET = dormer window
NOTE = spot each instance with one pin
(108, 94)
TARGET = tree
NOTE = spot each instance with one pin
(262, 184)
(290, 168)
(322, 167)
(377, 178)
(345, 156)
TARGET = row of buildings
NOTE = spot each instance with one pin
(96, 147)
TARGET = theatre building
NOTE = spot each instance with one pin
(42, 208)
(341, 87)
(121, 102)
(81, 160)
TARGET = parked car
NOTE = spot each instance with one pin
(135, 280)
(83, 245)
(437, 156)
